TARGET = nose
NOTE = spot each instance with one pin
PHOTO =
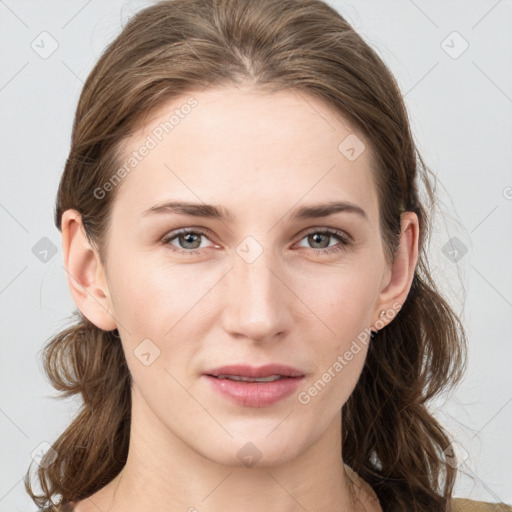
(257, 302)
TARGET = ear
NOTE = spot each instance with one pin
(86, 276)
(399, 276)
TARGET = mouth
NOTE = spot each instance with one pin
(255, 387)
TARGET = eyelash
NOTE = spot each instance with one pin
(343, 239)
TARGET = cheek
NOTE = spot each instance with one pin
(158, 307)
(150, 296)
(343, 298)
(344, 304)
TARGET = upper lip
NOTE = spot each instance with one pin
(255, 372)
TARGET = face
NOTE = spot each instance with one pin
(274, 278)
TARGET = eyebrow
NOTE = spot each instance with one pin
(220, 213)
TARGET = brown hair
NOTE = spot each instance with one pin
(168, 50)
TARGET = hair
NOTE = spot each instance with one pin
(171, 49)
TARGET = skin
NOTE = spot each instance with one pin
(260, 156)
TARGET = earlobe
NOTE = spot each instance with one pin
(85, 273)
(402, 270)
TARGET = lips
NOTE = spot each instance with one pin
(249, 386)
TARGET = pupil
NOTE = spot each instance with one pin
(189, 238)
(316, 237)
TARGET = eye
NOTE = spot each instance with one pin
(320, 239)
(189, 240)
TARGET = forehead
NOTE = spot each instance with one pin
(245, 147)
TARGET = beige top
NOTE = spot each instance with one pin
(463, 505)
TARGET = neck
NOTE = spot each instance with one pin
(164, 474)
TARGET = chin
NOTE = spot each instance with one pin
(256, 450)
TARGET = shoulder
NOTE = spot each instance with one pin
(465, 505)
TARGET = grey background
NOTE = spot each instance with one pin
(460, 105)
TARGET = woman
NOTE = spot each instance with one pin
(246, 245)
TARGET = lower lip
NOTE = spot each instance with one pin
(255, 394)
